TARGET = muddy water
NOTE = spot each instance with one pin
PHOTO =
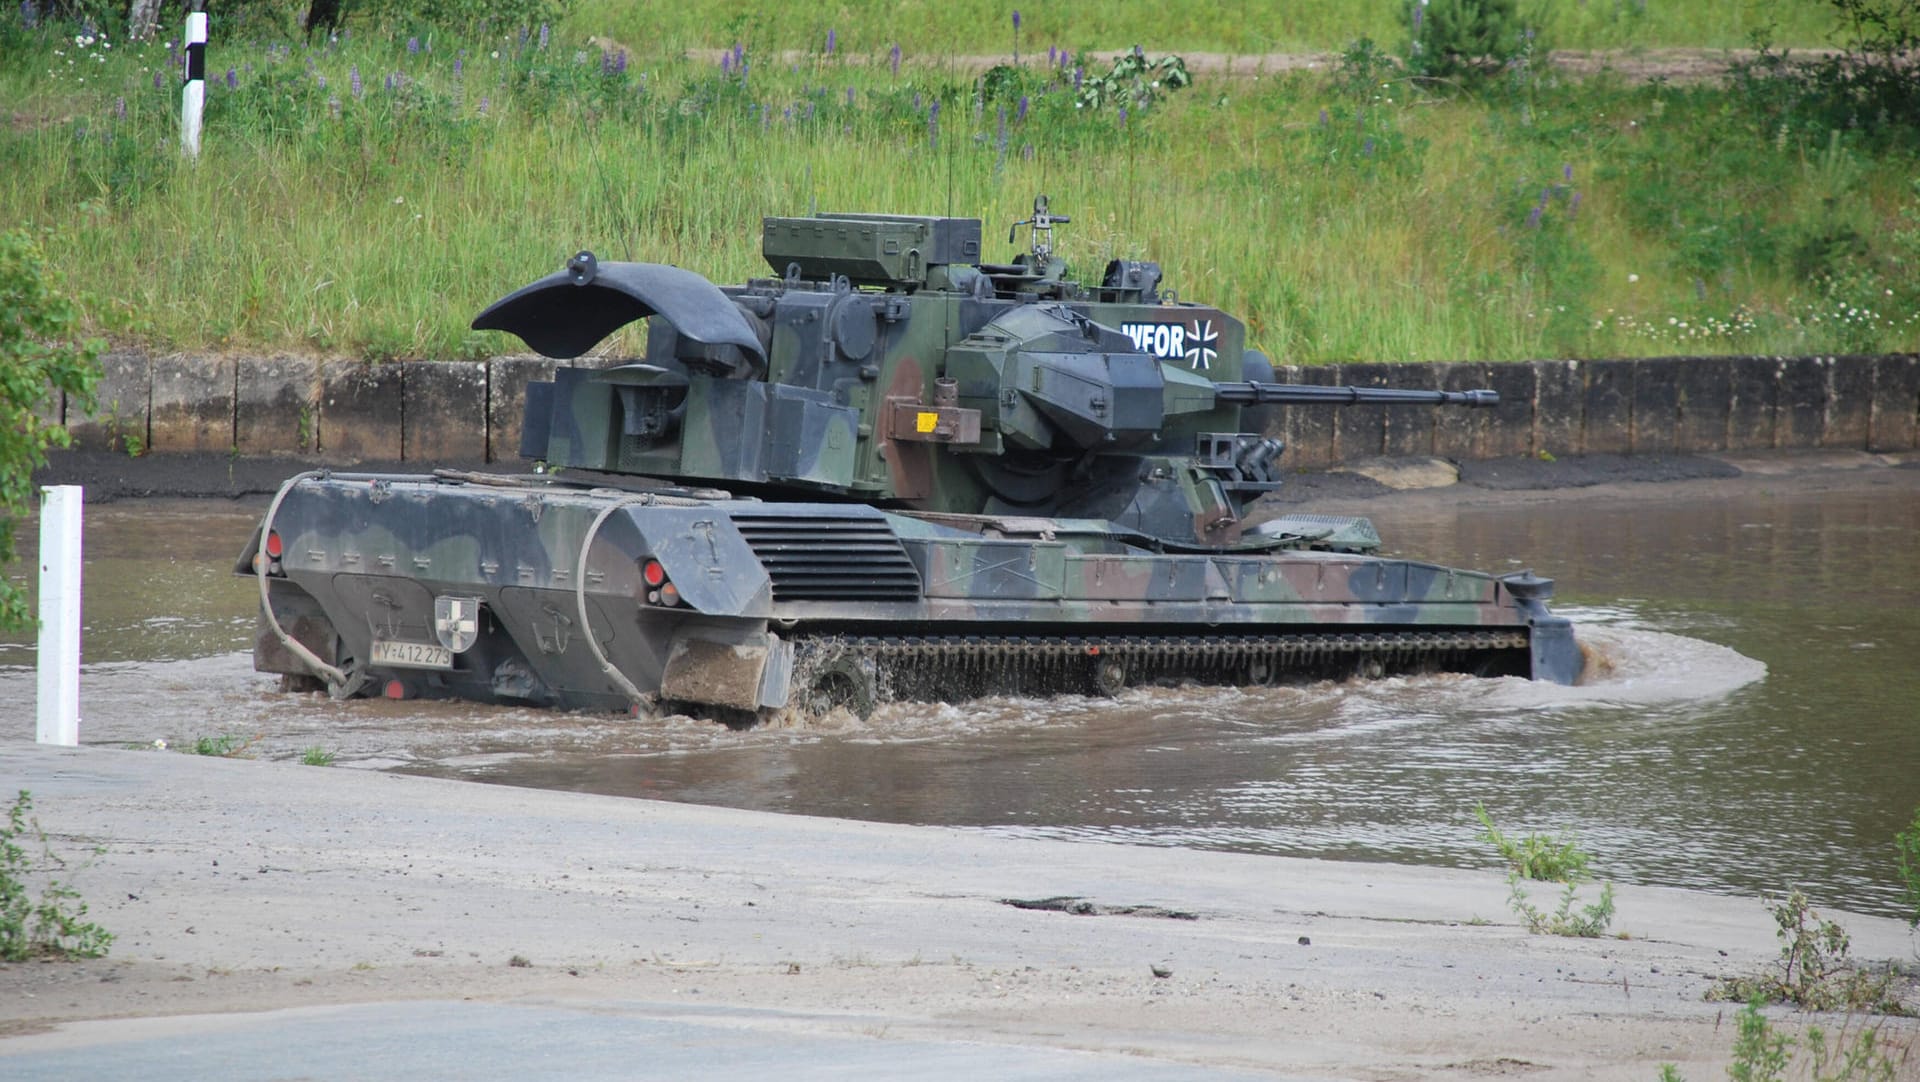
(1755, 726)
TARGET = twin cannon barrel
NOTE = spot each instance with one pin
(1302, 394)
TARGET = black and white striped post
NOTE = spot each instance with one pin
(194, 97)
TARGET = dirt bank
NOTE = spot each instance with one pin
(239, 886)
(1679, 65)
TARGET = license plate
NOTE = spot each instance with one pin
(411, 655)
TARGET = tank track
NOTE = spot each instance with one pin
(856, 670)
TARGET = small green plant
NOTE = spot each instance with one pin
(316, 756)
(224, 746)
(1763, 1054)
(1814, 971)
(1135, 83)
(52, 926)
(1536, 856)
(1549, 859)
(1907, 843)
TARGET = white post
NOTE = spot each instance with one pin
(194, 97)
(60, 615)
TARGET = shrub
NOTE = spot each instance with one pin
(1536, 856)
(1541, 858)
(38, 363)
(1463, 40)
(1907, 845)
(1763, 1054)
(52, 925)
(1813, 971)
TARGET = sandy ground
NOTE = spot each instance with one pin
(238, 886)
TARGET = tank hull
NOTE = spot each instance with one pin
(537, 591)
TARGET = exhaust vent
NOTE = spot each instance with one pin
(831, 557)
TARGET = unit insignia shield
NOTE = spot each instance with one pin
(456, 622)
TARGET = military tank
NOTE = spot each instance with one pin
(894, 471)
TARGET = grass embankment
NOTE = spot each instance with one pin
(368, 198)
(963, 27)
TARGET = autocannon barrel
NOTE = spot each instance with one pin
(1308, 394)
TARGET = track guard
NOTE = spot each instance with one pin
(1555, 654)
(742, 669)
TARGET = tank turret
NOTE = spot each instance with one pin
(890, 364)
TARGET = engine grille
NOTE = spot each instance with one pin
(831, 557)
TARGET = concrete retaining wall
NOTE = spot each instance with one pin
(429, 411)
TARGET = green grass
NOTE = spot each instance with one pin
(938, 28)
(1399, 227)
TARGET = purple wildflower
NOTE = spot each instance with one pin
(787, 114)
(1533, 217)
(523, 37)
(158, 83)
(29, 13)
(119, 108)
(459, 67)
(545, 34)
(413, 46)
(353, 80)
(808, 115)
(1419, 10)
(933, 125)
(233, 79)
(739, 56)
(1022, 114)
(620, 62)
(322, 80)
(1026, 151)
(1123, 116)
(831, 39)
(1545, 195)
(1016, 20)
(1366, 148)
(1052, 58)
(894, 59)
(916, 101)
(1324, 119)
(1078, 74)
(483, 106)
(1567, 171)
(389, 82)
(1573, 206)
(1139, 53)
(849, 97)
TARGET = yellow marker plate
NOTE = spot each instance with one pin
(924, 422)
